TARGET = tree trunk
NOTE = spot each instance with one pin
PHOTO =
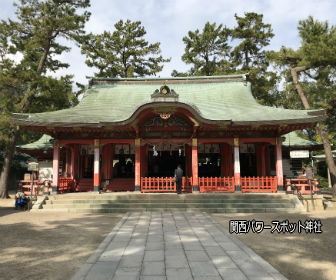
(12, 142)
(320, 129)
(7, 164)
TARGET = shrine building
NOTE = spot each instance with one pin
(130, 134)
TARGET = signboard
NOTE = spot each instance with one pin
(299, 154)
(33, 166)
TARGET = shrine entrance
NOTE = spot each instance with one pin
(163, 159)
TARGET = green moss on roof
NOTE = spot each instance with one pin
(294, 140)
(216, 98)
(41, 144)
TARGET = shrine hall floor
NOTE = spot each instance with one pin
(173, 245)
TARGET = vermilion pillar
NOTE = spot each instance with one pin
(194, 163)
(72, 162)
(107, 162)
(137, 166)
(96, 173)
(278, 164)
(236, 164)
(263, 160)
(226, 164)
(68, 163)
(56, 156)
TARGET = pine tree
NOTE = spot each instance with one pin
(208, 50)
(311, 74)
(34, 36)
(124, 52)
(249, 55)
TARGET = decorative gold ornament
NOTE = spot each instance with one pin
(165, 116)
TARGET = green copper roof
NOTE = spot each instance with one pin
(322, 157)
(294, 140)
(42, 144)
(216, 98)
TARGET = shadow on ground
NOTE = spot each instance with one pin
(297, 256)
(49, 245)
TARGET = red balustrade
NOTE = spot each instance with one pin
(164, 184)
(258, 184)
(216, 184)
(302, 185)
(66, 184)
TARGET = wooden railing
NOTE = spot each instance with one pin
(164, 184)
(258, 184)
(302, 185)
(66, 184)
(26, 187)
(216, 184)
(120, 184)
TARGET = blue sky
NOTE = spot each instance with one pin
(168, 21)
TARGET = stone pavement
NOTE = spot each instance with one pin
(173, 245)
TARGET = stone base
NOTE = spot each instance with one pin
(54, 190)
(137, 189)
(195, 188)
(96, 189)
(280, 188)
(237, 188)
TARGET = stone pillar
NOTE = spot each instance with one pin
(236, 164)
(278, 163)
(194, 164)
(96, 168)
(56, 157)
(137, 167)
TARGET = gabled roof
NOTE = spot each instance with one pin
(215, 98)
(43, 143)
(293, 140)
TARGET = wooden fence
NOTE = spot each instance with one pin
(216, 184)
(164, 184)
(258, 184)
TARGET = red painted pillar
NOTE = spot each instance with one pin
(137, 166)
(188, 165)
(226, 162)
(96, 169)
(68, 163)
(72, 161)
(144, 157)
(278, 164)
(107, 161)
(236, 164)
(76, 172)
(267, 160)
(56, 157)
(263, 160)
(194, 164)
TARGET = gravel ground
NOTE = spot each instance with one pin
(37, 245)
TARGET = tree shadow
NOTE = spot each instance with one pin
(298, 256)
(44, 245)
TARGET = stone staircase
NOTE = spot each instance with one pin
(211, 203)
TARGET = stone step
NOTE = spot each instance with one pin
(173, 205)
(212, 203)
(212, 210)
(164, 196)
(156, 204)
(178, 201)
